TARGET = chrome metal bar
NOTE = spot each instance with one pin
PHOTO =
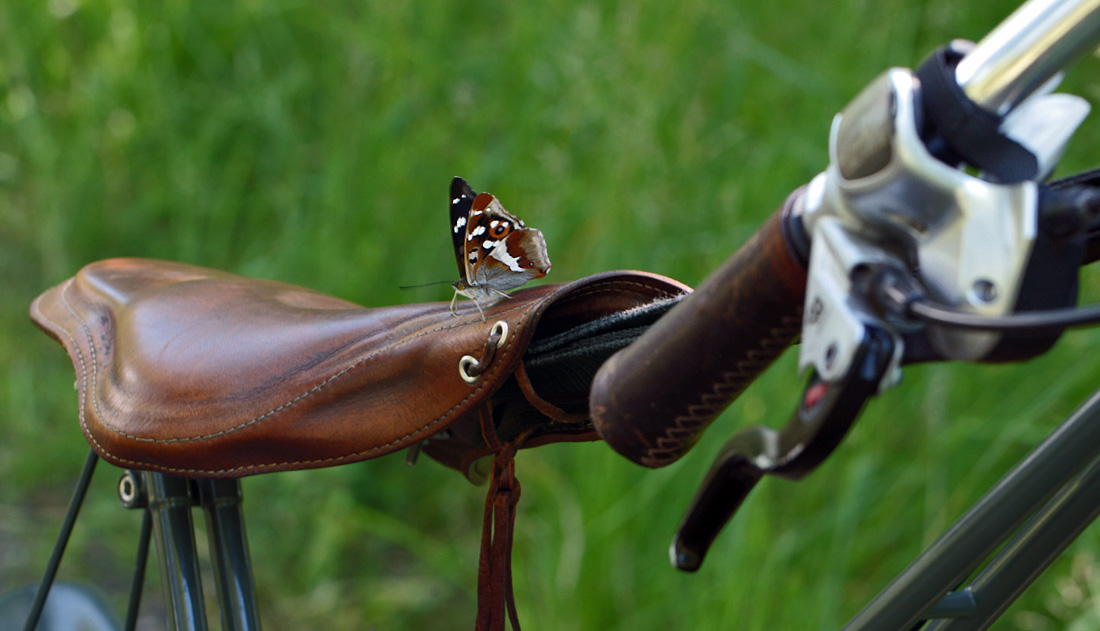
(173, 529)
(221, 501)
(1026, 49)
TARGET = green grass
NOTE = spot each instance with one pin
(313, 142)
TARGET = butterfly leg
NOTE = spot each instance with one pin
(476, 304)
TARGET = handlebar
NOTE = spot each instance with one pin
(895, 203)
(1026, 49)
(653, 399)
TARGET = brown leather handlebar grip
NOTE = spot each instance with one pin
(652, 400)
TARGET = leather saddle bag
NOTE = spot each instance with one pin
(200, 373)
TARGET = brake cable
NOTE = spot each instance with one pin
(900, 296)
(1030, 321)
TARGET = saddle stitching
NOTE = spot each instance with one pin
(83, 390)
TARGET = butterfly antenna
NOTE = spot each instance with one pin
(438, 282)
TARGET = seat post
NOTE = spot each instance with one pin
(170, 505)
(221, 501)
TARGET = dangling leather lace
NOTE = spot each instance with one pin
(494, 580)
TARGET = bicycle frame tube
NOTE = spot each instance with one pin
(170, 506)
(170, 500)
(221, 501)
(1057, 483)
(1029, 553)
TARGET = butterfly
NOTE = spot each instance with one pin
(495, 251)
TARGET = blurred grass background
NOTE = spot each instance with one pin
(313, 142)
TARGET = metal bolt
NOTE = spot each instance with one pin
(130, 490)
(816, 309)
(984, 290)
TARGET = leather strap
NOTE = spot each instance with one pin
(494, 580)
(550, 410)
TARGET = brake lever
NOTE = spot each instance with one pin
(826, 412)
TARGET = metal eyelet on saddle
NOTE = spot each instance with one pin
(471, 368)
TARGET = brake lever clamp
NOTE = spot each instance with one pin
(840, 305)
(967, 239)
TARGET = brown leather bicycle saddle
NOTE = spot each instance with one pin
(203, 373)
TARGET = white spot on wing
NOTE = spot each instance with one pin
(502, 255)
(458, 224)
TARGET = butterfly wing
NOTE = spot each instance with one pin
(495, 251)
(462, 199)
(519, 257)
(488, 226)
